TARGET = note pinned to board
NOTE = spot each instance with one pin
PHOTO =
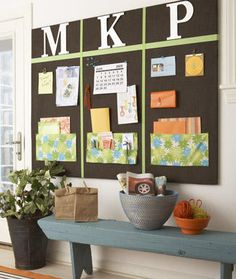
(45, 83)
(127, 106)
(100, 120)
(194, 65)
(48, 128)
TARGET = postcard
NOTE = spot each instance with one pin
(163, 66)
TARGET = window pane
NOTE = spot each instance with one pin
(6, 113)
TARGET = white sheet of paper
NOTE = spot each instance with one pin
(127, 106)
(106, 135)
(110, 78)
(128, 138)
(67, 79)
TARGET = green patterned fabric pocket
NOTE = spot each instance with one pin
(116, 153)
(56, 147)
(183, 150)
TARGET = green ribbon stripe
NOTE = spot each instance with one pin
(143, 87)
(170, 43)
(81, 102)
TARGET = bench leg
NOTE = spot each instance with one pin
(226, 270)
(81, 259)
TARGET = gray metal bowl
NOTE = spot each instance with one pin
(148, 212)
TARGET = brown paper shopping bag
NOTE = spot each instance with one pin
(76, 203)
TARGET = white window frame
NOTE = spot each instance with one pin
(24, 12)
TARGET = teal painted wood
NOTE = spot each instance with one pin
(81, 259)
(210, 245)
(226, 271)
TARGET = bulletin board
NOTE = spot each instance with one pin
(145, 33)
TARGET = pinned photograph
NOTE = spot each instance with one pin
(158, 67)
(67, 79)
(163, 66)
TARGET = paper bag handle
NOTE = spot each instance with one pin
(67, 187)
(86, 186)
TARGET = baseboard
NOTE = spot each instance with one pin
(5, 246)
(139, 265)
(134, 271)
(113, 268)
(229, 93)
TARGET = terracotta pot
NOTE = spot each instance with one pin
(192, 226)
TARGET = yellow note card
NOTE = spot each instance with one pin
(45, 84)
(100, 120)
(194, 65)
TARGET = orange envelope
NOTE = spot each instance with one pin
(169, 127)
(163, 99)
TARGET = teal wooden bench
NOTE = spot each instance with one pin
(210, 245)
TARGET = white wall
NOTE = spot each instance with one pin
(219, 200)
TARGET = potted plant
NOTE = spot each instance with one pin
(31, 200)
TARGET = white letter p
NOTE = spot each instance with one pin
(174, 21)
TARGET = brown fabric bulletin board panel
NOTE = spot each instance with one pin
(196, 96)
(73, 40)
(45, 106)
(134, 60)
(129, 30)
(203, 22)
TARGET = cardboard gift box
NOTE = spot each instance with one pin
(77, 203)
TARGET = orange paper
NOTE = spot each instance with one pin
(163, 99)
(169, 127)
(192, 124)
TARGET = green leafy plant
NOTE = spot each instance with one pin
(33, 196)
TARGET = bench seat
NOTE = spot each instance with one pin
(210, 245)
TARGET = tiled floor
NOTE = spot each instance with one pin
(60, 271)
